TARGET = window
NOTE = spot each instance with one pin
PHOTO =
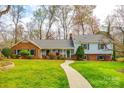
(100, 57)
(101, 46)
(18, 52)
(85, 46)
(32, 52)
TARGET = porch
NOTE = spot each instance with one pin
(67, 53)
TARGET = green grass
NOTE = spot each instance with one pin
(34, 74)
(101, 74)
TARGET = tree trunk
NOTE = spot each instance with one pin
(66, 35)
(16, 34)
(47, 35)
(82, 25)
(40, 33)
(114, 53)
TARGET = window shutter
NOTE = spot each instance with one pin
(88, 46)
(98, 46)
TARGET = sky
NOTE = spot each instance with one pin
(101, 11)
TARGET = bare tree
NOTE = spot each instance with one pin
(52, 12)
(39, 17)
(83, 14)
(3, 31)
(119, 19)
(4, 11)
(111, 23)
(17, 13)
(94, 25)
(30, 27)
(65, 19)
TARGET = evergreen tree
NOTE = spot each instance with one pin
(80, 53)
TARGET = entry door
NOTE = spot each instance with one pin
(47, 52)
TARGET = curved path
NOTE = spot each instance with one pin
(76, 80)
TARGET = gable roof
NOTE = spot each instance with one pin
(54, 44)
(26, 42)
(92, 39)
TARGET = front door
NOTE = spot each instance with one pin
(47, 52)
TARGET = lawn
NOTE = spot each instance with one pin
(34, 74)
(102, 74)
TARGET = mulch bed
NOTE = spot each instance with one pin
(6, 65)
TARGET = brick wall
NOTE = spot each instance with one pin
(94, 56)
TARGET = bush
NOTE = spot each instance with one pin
(24, 52)
(6, 52)
(61, 57)
(80, 53)
(68, 53)
(52, 55)
(120, 59)
(30, 56)
(14, 56)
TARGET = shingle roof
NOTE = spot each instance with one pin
(92, 38)
(54, 44)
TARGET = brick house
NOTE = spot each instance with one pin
(96, 47)
(41, 48)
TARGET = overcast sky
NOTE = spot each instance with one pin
(100, 12)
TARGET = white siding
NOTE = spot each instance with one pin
(93, 48)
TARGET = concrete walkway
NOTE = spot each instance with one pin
(75, 79)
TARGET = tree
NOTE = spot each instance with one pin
(39, 17)
(94, 25)
(119, 19)
(6, 52)
(52, 12)
(65, 19)
(80, 53)
(30, 28)
(6, 10)
(17, 13)
(111, 24)
(83, 15)
(20, 32)
(114, 53)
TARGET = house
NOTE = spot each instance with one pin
(96, 47)
(41, 48)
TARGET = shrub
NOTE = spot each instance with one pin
(30, 56)
(120, 59)
(24, 52)
(52, 55)
(80, 53)
(6, 52)
(61, 57)
(14, 56)
(68, 53)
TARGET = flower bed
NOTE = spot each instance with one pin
(6, 65)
